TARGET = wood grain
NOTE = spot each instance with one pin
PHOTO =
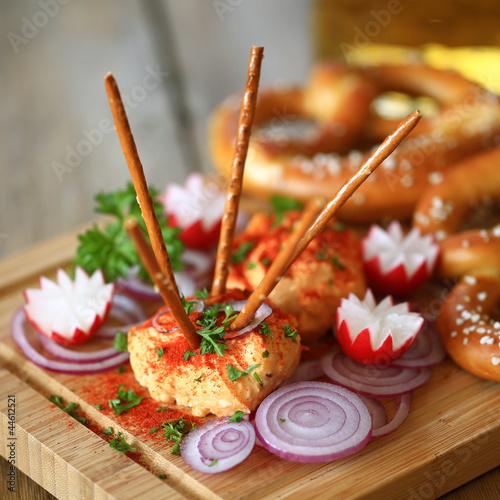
(450, 438)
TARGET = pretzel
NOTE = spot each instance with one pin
(467, 121)
(469, 334)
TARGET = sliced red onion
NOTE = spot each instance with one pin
(402, 412)
(136, 288)
(371, 380)
(377, 411)
(125, 310)
(218, 445)
(263, 312)
(307, 370)
(198, 306)
(426, 350)
(312, 422)
(18, 329)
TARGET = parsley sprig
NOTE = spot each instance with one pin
(124, 400)
(175, 430)
(211, 333)
(234, 374)
(119, 444)
(70, 408)
(110, 248)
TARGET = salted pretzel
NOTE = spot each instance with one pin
(320, 160)
(470, 335)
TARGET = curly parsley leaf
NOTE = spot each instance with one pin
(175, 430)
(234, 374)
(211, 333)
(125, 400)
(120, 445)
(110, 248)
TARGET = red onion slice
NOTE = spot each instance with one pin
(198, 306)
(402, 412)
(263, 312)
(312, 422)
(372, 380)
(426, 350)
(18, 329)
(218, 445)
(377, 412)
(137, 289)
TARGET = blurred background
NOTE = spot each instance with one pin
(174, 62)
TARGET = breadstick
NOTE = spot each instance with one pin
(276, 270)
(169, 286)
(247, 112)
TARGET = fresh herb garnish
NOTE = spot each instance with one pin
(163, 408)
(283, 204)
(70, 408)
(290, 332)
(175, 430)
(120, 369)
(211, 333)
(110, 248)
(240, 254)
(159, 352)
(120, 445)
(188, 354)
(237, 417)
(99, 407)
(265, 354)
(265, 330)
(213, 462)
(153, 430)
(120, 341)
(108, 431)
(321, 256)
(265, 261)
(188, 304)
(162, 476)
(251, 265)
(256, 377)
(336, 262)
(234, 374)
(282, 420)
(202, 294)
(125, 400)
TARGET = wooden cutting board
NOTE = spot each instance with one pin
(451, 436)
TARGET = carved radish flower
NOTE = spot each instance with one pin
(396, 263)
(374, 333)
(69, 311)
(196, 208)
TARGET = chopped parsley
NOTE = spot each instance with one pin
(213, 462)
(175, 430)
(240, 254)
(120, 341)
(120, 445)
(321, 255)
(256, 377)
(153, 430)
(283, 204)
(163, 408)
(162, 476)
(110, 248)
(265, 261)
(290, 332)
(212, 334)
(99, 407)
(125, 400)
(265, 354)
(265, 330)
(234, 374)
(282, 420)
(336, 262)
(160, 352)
(188, 354)
(251, 265)
(70, 408)
(108, 431)
(202, 294)
(120, 369)
(237, 417)
(188, 304)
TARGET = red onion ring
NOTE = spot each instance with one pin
(377, 411)
(426, 350)
(371, 380)
(198, 306)
(312, 422)
(127, 311)
(18, 329)
(402, 412)
(263, 312)
(307, 370)
(137, 289)
(218, 445)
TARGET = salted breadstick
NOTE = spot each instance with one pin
(276, 271)
(170, 292)
(247, 112)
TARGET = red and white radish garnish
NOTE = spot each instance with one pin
(398, 264)
(197, 209)
(218, 445)
(69, 311)
(313, 422)
(372, 381)
(374, 333)
(71, 361)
